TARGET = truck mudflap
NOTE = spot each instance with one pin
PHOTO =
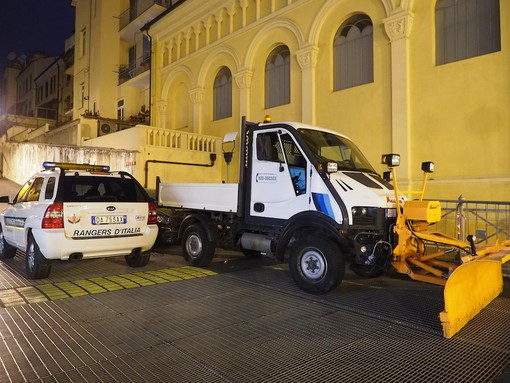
(472, 286)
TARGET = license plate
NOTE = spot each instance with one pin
(108, 219)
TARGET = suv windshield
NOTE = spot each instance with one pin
(328, 147)
(102, 189)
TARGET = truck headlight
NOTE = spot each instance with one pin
(427, 167)
(390, 159)
(331, 167)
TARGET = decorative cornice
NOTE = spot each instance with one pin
(307, 57)
(398, 26)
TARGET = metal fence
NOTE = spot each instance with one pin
(488, 221)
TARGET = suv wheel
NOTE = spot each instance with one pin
(36, 266)
(136, 259)
(6, 251)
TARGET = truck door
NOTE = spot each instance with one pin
(280, 181)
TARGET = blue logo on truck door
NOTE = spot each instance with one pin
(322, 204)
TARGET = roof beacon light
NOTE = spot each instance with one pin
(72, 166)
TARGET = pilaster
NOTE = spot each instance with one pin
(398, 28)
(307, 59)
(197, 96)
(243, 80)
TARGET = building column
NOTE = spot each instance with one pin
(307, 59)
(197, 97)
(398, 28)
(162, 106)
(243, 80)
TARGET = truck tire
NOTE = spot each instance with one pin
(316, 264)
(36, 265)
(196, 247)
(6, 251)
(137, 259)
(367, 271)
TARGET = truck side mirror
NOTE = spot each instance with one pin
(5, 199)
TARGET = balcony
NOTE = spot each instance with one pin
(134, 69)
(130, 21)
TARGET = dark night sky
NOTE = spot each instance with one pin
(34, 25)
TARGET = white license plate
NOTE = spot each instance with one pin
(108, 219)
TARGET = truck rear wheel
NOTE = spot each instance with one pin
(36, 265)
(196, 247)
(6, 251)
(316, 264)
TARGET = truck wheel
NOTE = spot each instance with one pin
(367, 271)
(6, 251)
(316, 264)
(197, 249)
(36, 265)
(137, 259)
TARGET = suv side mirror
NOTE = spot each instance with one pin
(5, 199)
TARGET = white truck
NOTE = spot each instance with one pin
(301, 188)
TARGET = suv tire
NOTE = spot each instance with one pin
(36, 265)
(6, 251)
(137, 259)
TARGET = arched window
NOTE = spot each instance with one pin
(277, 83)
(223, 94)
(466, 28)
(353, 58)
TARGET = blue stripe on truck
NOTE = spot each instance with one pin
(322, 204)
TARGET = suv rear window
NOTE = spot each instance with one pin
(102, 189)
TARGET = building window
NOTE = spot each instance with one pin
(277, 82)
(353, 58)
(223, 94)
(466, 28)
(83, 42)
(120, 110)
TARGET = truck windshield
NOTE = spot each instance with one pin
(328, 147)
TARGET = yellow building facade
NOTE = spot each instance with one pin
(379, 71)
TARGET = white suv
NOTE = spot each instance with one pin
(75, 211)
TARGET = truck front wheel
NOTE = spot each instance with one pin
(316, 264)
(196, 247)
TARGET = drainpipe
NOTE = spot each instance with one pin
(212, 156)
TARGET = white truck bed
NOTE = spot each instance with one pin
(203, 196)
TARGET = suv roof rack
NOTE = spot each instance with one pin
(72, 166)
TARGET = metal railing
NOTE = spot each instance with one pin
(488, 221)
(135, 68)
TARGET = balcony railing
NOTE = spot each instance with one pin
(135, 68)
(139, 7)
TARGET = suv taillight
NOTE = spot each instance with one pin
(54, 217)
(153, 215)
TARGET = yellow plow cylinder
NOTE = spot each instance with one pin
(470, 288)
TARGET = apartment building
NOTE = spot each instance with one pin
(112, 64)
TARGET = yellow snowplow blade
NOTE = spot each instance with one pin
(470, 287)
